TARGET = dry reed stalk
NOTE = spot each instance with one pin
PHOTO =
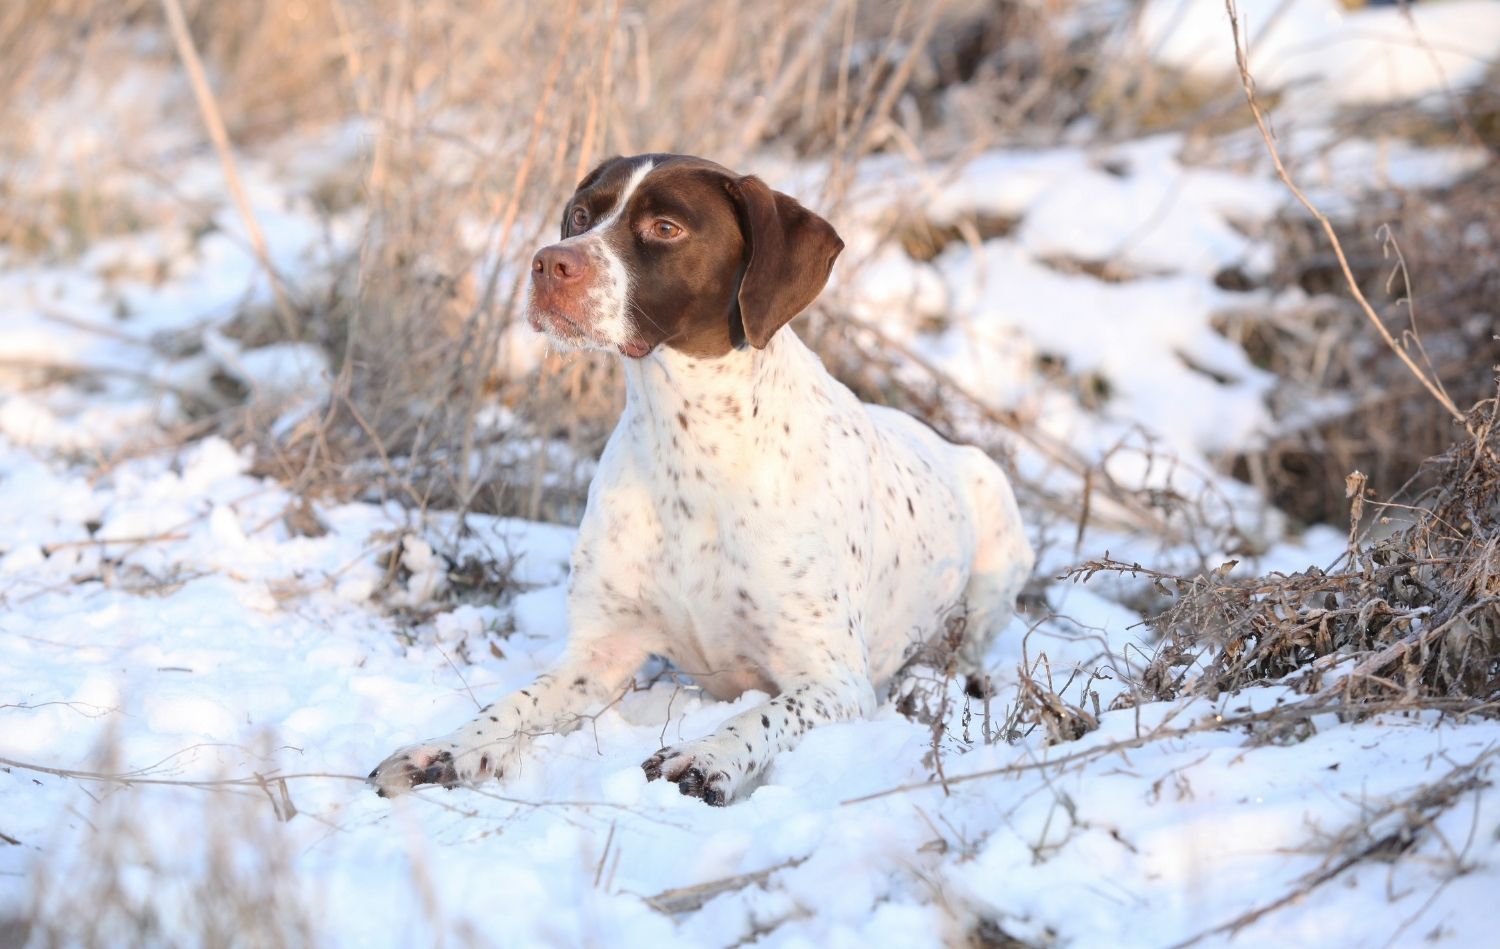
(1432, 384)
(213, 121)
(689, 899)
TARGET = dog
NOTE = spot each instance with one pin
(751, 520)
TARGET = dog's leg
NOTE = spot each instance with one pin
(556, 702)
(718, 767)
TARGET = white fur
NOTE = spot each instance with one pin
(755, 523)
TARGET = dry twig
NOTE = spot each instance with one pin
(689, 899)
(209, 109)
(1429, 382)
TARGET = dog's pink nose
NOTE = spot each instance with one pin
(563, 264)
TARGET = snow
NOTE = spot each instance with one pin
(1134, 849)
(1119, 330)
(1155, 216)
(1350, 57)
(161, 617)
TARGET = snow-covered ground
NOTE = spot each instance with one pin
(166, 615)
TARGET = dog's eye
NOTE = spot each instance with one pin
(665, 230)
(579, 220)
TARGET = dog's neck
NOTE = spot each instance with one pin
(738, 394)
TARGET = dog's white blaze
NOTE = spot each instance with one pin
(636, 177)
(606, 314)
(612, 321)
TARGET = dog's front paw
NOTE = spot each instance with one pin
(696, 770)
(441, 763)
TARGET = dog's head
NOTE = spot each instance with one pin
(677, 251)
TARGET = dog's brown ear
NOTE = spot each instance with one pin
(791, 253)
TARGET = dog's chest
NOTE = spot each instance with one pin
(757, 520)
(737, 505)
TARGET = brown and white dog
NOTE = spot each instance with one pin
(751, 520)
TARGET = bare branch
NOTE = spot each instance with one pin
(1248, 82)
(209, 108)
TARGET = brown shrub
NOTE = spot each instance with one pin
(1410, 619)
(1430, 261)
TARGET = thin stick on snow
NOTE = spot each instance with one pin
(138, 540)
(462, 681)
(209, 108)
(143, 777)
(256, 781)
(689, 899)
(1094, 477)
(1298, 711)
(1432, 385)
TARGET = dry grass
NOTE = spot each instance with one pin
(1430, 262)
(222, 875)
(478, 118)
(1412, 618)
(1384, 833)
(1409, 617)
(479, 115)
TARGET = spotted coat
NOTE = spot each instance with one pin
(751, 521)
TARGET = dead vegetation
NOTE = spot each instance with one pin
(1430, 262)
(1410, 618)
(476, 119)
(434, 402)
(1384, 833)
(221, 876)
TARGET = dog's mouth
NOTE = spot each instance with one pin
(567, 327)
(562, 327)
